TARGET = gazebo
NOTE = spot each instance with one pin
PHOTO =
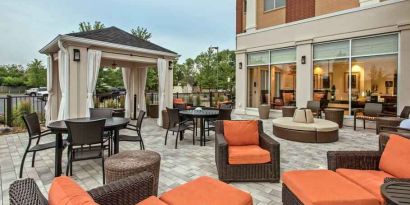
(74, 60)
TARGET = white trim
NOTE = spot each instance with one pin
(353, 10)
(105, 44)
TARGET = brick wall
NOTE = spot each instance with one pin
(299, 9)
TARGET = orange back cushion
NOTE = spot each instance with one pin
(395, 159)
(241, 133)
(65, 191)
(178, 101)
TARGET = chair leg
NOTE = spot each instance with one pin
(33, 159)
(103, 168)
(354, 124)
(68, 162)
(166, 137)
(364, 124)
(22, 164)
(176, 141)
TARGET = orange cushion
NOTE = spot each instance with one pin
(251, 154)
(206, 191)
(241, 132)
(395, 159)
(152, 200)
(178, 101)
(370, 180)
(324, 187)
(65, 191)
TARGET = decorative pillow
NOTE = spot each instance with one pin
(395, 159)
(65, 191)
(303, 116)
(241, 132)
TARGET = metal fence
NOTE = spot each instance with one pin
(208, 99)
(9, 105)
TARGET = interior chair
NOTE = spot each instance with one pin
(245, 153)
(35, 134)
(137, 129)
(370, 112)
(314, 106)
(85, 142)
(176, 125)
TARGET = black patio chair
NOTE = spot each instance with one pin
(34, 133)
(137, 129)
(85, 142)
(104, 113)
(224, 114)
(176, 125)
(370, 112)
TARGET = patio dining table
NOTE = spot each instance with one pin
(59, 128)
(201, 115)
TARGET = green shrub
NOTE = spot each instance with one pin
(23, 108)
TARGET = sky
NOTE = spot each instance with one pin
(187, 27)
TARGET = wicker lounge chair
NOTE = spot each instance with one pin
(392, 121)
(356, 160)
(370, 112)
(246, 172)
(128, 191)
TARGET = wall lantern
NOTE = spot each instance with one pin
(76, 55)
(240, 65)
(303, 61)
(170, 65)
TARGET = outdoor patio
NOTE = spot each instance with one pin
(178, 165)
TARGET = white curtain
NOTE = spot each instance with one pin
(162, 87)
(140, 92)
(126, 77)
(63, 75)
(93, 66)
(51, 96)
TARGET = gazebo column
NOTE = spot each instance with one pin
(139, 78)
(165, 90)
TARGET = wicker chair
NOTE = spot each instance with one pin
(34, 133)
(315, 107)
(361, 160)
(370, 112)
(127, 191)
(136, 128)
(269, 172)
(176, 125)
(392, 121)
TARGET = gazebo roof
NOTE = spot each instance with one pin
(108, 37)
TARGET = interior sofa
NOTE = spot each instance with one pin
(353, 177)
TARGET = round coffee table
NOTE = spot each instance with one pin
(335, 115)
(129, 163)
(396, 193)
(288, 111)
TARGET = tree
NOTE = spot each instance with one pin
(141, 33)
(86, 26)
(36, 74)
(152, 79)
(12, 75)
(184, 74)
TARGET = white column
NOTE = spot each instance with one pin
(304, 74)
(250, 15)
(241, 83)
(403, 88)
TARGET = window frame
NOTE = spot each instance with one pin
(274, 6)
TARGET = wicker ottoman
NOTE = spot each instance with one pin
(129, 163)
(288, 111)
(335, 115)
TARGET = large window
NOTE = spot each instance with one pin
(273, 4)
(348, 74)
(272, 78)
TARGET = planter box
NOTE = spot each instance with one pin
(152, 111)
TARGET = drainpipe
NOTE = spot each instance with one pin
(67, 75)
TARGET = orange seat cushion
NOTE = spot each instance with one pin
(370, 180)
(152, 200)
(395, 159)
(178, 101)
(241, 132)
(206, 191)
(325, 187)
(65, 191)
(251, 154)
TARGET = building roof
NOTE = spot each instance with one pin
(118, 36)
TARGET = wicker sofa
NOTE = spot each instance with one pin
(127, 191)
(366, 161)
(227, 172)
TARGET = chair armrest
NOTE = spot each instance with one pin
(26, 192)
(363, 160)
(221, 149)
(387, 180)
(269, 144)
(127, 191)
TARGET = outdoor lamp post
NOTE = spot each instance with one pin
(211, 49)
